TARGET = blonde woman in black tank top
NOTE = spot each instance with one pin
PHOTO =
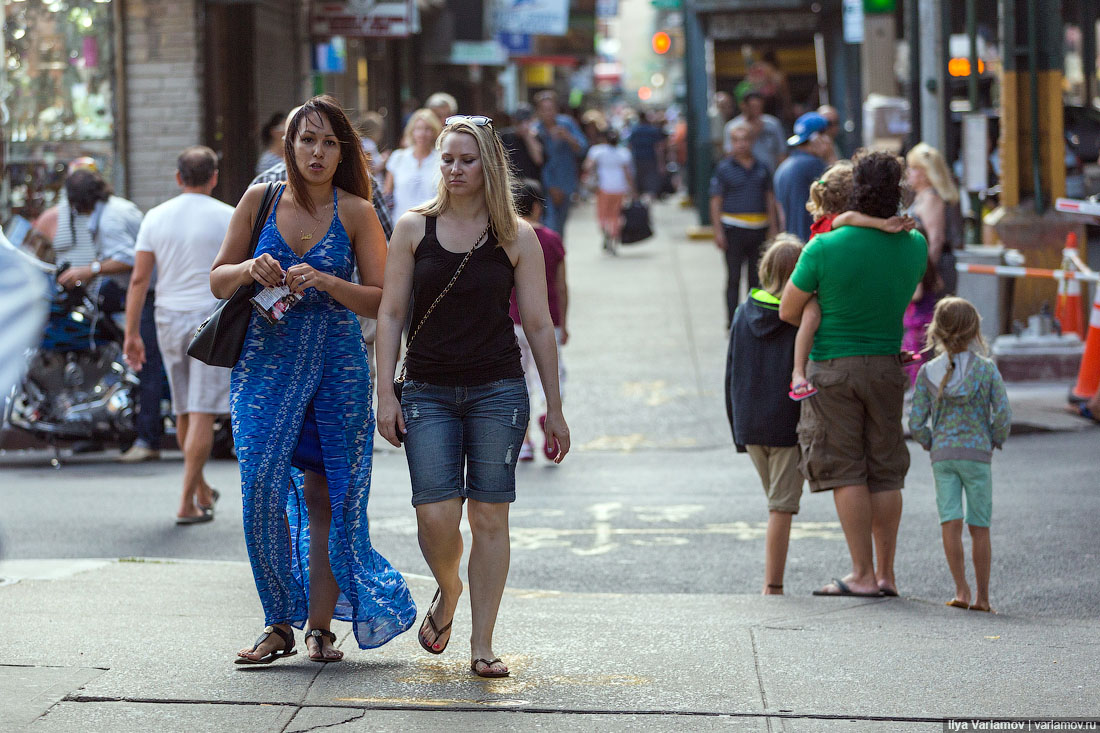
(464, 406)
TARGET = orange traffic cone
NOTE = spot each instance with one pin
(1068, 308)
(1088, 378)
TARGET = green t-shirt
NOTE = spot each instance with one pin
(864, 280)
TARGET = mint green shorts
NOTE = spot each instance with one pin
(956, 477)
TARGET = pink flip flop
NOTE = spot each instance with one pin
(801, 391)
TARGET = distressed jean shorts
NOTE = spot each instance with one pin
(463, 442)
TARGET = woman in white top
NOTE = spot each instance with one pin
(614, 179)
(412, 171)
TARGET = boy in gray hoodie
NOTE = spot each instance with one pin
(960, 414)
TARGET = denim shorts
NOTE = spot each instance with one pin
(479, 429)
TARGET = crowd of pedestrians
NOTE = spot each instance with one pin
(459, 252)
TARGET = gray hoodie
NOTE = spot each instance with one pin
(970, 419)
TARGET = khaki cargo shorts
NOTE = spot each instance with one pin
(779, 472)
(850, 431)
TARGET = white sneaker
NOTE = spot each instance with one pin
(139, 453)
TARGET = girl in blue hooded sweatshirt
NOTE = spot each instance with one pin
(960, 414)
(763, 419)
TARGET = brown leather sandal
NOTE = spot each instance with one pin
(488, 668)
(438, 631)
(319, 635)
(287, 650)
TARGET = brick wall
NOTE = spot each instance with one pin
(164, 112)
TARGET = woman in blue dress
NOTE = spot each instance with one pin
(300, 397)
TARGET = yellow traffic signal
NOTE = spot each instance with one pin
(661, 42)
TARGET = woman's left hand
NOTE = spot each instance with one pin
(302, 276)
(557, 434)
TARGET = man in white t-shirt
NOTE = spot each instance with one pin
(181, 238)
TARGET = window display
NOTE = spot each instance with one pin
(58, 87)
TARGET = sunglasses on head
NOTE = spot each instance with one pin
(479, 120)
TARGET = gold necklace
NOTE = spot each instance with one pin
(298, 219)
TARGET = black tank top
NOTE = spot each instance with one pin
(469, 339)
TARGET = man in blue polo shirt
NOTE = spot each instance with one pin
(743, 212)
(796, 174)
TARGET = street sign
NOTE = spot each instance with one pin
(852, 15)
(356, 19)
(549, 17)
(517, 44)
(879, 6)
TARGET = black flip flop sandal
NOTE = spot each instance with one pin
(320, 635)
(846, 591)
(288, 649)
(431, 622)
(488, 668)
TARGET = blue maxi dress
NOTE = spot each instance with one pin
(313, 361)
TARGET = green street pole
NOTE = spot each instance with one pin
(695, 76)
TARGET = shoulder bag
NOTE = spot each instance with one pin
(219, 339)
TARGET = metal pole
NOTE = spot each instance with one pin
(972, 92)
(912, 36)
(1033, 80)
(695, 71)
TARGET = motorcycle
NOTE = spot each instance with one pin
(78, 387)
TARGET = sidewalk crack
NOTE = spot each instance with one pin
(759, 676)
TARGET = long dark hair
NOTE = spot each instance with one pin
(351, 171)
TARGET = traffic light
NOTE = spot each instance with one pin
(879, 6)
(661, 42)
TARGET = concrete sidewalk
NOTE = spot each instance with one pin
(148, 645)
(137, 645)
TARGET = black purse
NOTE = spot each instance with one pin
(219, 339)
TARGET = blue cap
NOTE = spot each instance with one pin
(805, 126)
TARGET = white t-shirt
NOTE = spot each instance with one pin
(414, 181)
(611, 164)
(184, 234)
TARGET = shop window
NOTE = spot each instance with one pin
(58, 87)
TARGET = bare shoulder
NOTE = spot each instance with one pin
(409, 230)
(526, 242)
(353, 204)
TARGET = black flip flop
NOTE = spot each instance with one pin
(431, 622)
(206, 516)
(846, 591)
(320, 635)
(488, 668)
(215, 495)
(288, 649)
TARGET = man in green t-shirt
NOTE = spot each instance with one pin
(851, 429)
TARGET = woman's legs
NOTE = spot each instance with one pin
(323, 590)
(441, 543)
(956, 562)
(489, 560)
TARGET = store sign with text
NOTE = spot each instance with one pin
(539, 17)
(365, 19)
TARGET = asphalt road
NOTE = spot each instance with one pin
(653, 499)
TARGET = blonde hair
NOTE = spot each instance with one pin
(423, 114)
(498, 181)
(778, 262)
(955, 326)
(832, 193)
(928, 159)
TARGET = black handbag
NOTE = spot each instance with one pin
(219, 339)
(636, 226)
